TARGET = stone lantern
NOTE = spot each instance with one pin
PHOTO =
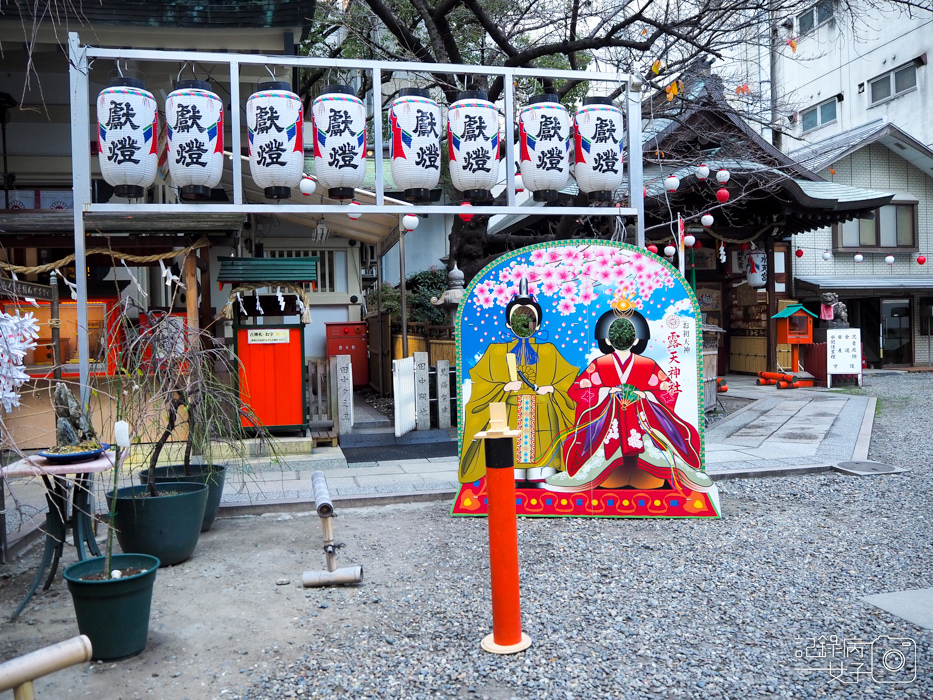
(451, 297)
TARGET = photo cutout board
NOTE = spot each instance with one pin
(595, 348)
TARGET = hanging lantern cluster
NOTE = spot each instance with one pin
(194, 120)
(597, 129)
(415, 147)
(544, 146)
(338, 123)
(128, 127)
(473, 145)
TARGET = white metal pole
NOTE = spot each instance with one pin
(235, 147)
(81, 179)
(636, 182)
(377, 135)
(509, 138)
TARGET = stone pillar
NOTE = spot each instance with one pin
(443, 394)
(344, 375)
(422, 392)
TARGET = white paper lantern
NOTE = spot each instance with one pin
(707, 220)
(194, 117)
(473, 145)
(671, 183)
(827, 255)
(410, 222)
(702, 171)
(519, 183)
(669, 251)
(128, 129)
(353, 210)
(889, 259)
(858, 257)
(689, 240)
(598, 128)
(274, 120)
(723, 176)
(307, 186)
(544, 136)
(756, 268)
(338, 120)
(415, 147)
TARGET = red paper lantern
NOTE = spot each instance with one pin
(798, 253)
(466, 217)
(698, 244)
(921, 259)
(744, 246)
(722, 195)
(653, 248)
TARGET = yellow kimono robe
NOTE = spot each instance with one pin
(540, 417)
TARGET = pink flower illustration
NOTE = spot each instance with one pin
(568, 289)
(554, 255)
(549, 287)
(564, 274)
(587, 296)
(566, 307)
(538, 256)
(548, 274)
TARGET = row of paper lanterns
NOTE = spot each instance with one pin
(858, 257)
(552, 146)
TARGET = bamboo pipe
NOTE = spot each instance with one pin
(19, 673)
(325, 509)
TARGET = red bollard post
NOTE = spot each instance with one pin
(507, 636)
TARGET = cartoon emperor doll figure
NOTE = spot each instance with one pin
(533, 380)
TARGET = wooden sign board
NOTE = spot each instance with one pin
(843, 353)
(21, 290)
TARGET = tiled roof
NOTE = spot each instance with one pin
(821, 154)
(186, 13)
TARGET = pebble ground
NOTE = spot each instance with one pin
(642, 608)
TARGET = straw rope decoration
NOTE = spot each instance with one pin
(303, 301)
(48, 267)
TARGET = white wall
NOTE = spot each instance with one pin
(424, 248)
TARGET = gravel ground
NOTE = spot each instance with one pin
(638, 608)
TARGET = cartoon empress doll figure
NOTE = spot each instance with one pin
(533, 380)
(626, 432)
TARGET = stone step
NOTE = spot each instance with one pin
(379, 437)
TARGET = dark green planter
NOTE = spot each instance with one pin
(166, 527)
(113, 614)
(213, 477)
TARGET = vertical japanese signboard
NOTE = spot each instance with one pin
(843, 353)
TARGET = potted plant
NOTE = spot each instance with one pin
(179, 379)
(112, 594)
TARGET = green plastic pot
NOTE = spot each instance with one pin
(212, 476)
(167, 526)
(114, 613)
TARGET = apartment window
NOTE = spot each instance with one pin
(894, 83)
(819, 14)
(894, 226)
(926, 315)
(326, 267)
(819, 115)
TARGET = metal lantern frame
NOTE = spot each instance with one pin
(81, 56)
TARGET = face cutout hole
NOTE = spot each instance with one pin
(622, 334)
(523, 321)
